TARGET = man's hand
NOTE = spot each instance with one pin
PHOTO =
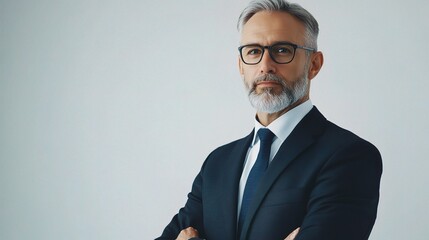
(188, 233)
(292, 235)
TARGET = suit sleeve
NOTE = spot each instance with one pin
(191, 215)
(343, 203)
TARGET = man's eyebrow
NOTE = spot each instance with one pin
(247, 44)
(276, 42)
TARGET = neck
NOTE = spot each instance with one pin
(266, 118)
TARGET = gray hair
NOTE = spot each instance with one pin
(310, 23)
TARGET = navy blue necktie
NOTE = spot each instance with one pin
(257, 171)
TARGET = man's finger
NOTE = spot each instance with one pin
(292, 235)
(187, 233)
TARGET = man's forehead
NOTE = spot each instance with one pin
(272, 26)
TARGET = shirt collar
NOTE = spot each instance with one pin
(283, 126)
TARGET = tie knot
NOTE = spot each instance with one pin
(265, 135)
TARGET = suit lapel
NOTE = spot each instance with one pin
(301, 138)
(232, 175)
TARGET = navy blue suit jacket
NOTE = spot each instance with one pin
(323, 179)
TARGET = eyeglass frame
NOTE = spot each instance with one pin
(295, 46)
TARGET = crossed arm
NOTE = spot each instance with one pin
(191, 232)
(342, 203)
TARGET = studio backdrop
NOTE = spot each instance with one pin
(109, 108)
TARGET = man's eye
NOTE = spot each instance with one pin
(254, 51)
(283, 50)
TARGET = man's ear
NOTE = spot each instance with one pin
(240, 66)
(315, 64)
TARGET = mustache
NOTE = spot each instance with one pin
(268, 77)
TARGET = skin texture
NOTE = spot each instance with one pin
(266, 28)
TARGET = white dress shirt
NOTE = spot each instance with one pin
(281, 127)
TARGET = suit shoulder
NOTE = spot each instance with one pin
(228, 155)
(228, 147)
(344, 137)
(328, 133)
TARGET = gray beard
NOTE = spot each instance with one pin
(270, 102)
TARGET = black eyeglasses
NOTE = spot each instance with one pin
(282, 52)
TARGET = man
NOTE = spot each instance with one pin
(296, 175)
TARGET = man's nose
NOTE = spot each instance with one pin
(267, 64)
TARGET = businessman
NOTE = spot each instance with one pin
(296, 175)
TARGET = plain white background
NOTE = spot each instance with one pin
(109, 108)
